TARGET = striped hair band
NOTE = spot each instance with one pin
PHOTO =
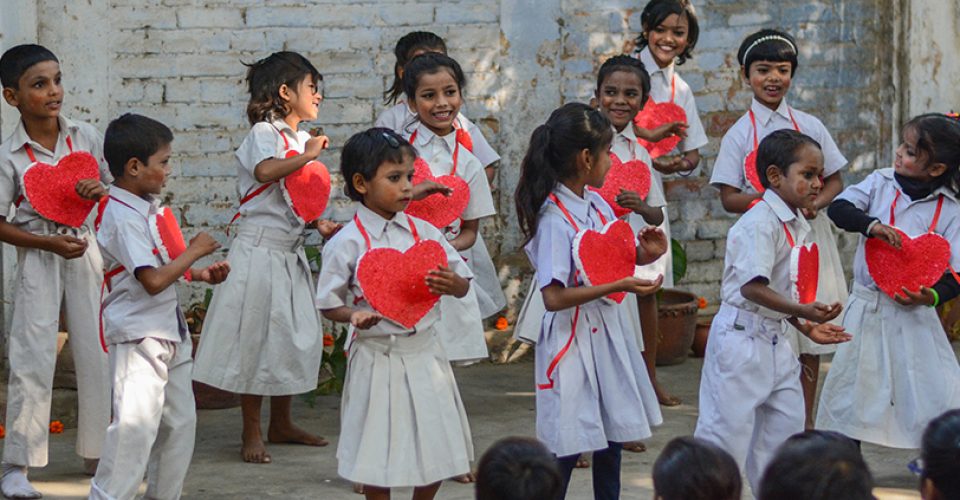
(768, 38)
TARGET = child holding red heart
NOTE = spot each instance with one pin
(434, 85)
(586, 346)
(768, 63)
(402, 421)
(899, 372)
(153, 425)
(750, 395)
(262, 335)
(59, 267)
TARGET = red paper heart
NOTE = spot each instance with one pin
(920, 261)
(654, 115)
(808, 273)
(307, 190)
(750, 171)
(632, 176)
(437, 209)
(393, 282)
(168, 237)
(606, 256)
(52, 190)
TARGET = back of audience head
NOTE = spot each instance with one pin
(940, 453)
(693, 469)
(518, 468)
(817, 465)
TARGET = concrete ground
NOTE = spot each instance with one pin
(499, 401)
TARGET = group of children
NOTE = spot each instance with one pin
(403, 422)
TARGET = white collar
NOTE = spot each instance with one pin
(20, 138)
(375, 225)
(781, 210)
(143, 206)
(653, 68)
(765, 114)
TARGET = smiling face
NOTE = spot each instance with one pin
(770, 81)
(437, 100)
(802, 181)
(621, 98)
(40, 93)
(304, 101)
(390, 189)
(668, 39)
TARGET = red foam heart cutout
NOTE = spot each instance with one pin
(393, 282)
(920, 262)
(168, 236)
(633, 175)
(654, 115)
(606, 256)
(808, 274)
(52, 190)
(750, 171)
(438, 209)
(307, 191)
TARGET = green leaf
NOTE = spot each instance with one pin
(679, 260)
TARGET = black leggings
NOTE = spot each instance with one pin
(606, 472)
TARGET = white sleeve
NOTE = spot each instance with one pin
(261, 143)
(728, 167)
(481, 199)
(696, 135)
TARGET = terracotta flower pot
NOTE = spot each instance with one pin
(211, 398)
(700, 336)
(677, 312)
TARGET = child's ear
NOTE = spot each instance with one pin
(132, 167)
(745, 73)
(937, 169)
(359, 183)
(10, 95)
(285, 92)
(595, 102)
(584, 160)
(774, 176)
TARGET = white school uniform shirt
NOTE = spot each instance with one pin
(737, 143)
(263, 142)
(626, 147)
(14, 161)
(401, 119)
(129, 312)
(757, 247)
(337, 285)
(438, 153)
(875, 194)
(660, 89)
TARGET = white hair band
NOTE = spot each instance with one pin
(768, 38)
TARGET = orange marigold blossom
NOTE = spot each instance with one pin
(501, 323)
(328, 340)
(56, 427)
(701, 302)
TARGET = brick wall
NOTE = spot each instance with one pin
(180, 61)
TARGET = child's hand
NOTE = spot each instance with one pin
(641, 287)
(203, 244)
(426, 188)
(213, 274)
(668, 130)
(327, 228)
(315, 145)
(819, 312)
(826, 333)
(653, 243)
(886, 233)
(667, 164)
(631, 201)
(66, 246)
(363, 320)
(443, 281)
(924, 298)
(90, 189)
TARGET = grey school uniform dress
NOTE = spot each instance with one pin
(262, 332)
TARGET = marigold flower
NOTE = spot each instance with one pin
(501, 323)
(701, 303)
(328, 340)
(56, 427)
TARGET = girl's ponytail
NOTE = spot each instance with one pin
(537, 180)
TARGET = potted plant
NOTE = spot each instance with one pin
(677, 314)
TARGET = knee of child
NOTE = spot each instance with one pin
(690, 468)
(518, 468)
(816, 465)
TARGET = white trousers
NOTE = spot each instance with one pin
(750, 395)
(45, 280)
(154, 421)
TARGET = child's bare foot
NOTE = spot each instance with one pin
(358, 488)
(665, 398)
(467, 478)
(635, 446)
(294, 435)
(582, 462)
(253, 450)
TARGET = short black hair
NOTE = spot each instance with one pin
(406, 46)
(817, 465)
(768, 45)
(17, 60)
(657, 11)
(625, 63)
(365, 151)
(133, 136)
(518, 468)
(780, 149)
(693, 469)
(430, 63)
(940, 450)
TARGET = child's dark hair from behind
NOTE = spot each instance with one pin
(518, 468)
(365, 151)
(17, 60)
(625, 63)
(406, 46)
(133, 136)
(817, 465)
(550, 157)
(938, 141)
(940, 451)
(693, 469)
(657, 11)
(428, 64)
(266, 76)
(768, 45)
(779, 149)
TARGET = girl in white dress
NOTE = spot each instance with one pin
(593, 392)
(402, 421)
(899, 372)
